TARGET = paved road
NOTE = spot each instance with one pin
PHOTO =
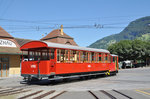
(129, 83)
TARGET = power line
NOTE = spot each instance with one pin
(25, 21)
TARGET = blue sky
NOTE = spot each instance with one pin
(31, 19)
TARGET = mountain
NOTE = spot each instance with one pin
(138, 29)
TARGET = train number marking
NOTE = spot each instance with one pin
(89, 66)
(33, 66)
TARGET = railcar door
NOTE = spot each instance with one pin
(52, 59)
(116, 63)
(0, 69)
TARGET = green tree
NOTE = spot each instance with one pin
(131, 50)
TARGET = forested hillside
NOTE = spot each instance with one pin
(138, 29)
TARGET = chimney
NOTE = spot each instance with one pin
(62, 33)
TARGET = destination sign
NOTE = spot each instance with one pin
(7, 43)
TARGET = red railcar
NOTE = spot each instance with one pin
(46, 59)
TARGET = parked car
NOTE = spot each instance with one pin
(126, 64)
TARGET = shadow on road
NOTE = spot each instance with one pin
(46, 82)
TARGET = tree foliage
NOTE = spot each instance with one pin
(131, 50)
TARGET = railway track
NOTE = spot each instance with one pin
(24, 93)
(10, 91)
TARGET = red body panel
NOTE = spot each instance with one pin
(31, 67)
(63, 68)
(47, 67)
(112, 67)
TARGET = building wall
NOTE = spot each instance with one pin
(14, 68)
(14, 64)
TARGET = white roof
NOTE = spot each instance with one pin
(56, 45)
(113, 55)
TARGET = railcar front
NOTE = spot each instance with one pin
(38, 60)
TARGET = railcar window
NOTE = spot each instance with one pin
(106, 58)
(113, 59)
(73, 56)
(31, 56)
(85, 57)
(81, 56)
(62, 59)
(66, 56)
(97, 59)
(100, 59)
(77, 56)
(90, 57)
(103, 57)
(45, 54)
(109, 60)
(51, 53)
(58, 55)
(37, 55)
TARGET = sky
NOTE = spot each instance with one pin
(85, 20)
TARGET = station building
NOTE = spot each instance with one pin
(10, 54)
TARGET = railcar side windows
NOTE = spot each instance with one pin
(73, 56)
(43, 54)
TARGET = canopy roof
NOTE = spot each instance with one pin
(43, 44)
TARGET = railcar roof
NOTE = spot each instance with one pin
(56, 45)
(74, 47)
(113, 55)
